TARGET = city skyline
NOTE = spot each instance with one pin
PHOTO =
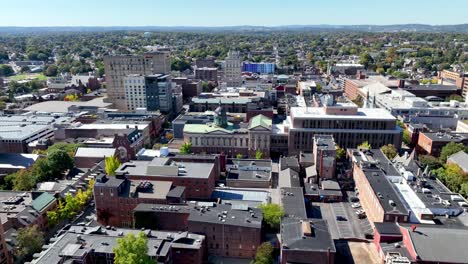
(238, 13)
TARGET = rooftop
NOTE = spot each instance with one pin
(305, 235)
(98, 240)
(63, 106)
(362, 114)
(376, 167)
(292, 200)
(225, 214)
(17, 161)
(165, 167)
(248, 169)
(460, 158)
(95, 152)
(446, 137)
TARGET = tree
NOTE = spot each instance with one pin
(264, 254)
(239, 156)
(71, 208)
(407, 138)
(29, 241)
(340, 153)
(131, 249)
(112, 164)
(389, 150)
(364, 145)
(51, 70)
(186, 148)
(52, 218)
(430, 161)
(23, 181)
(6, 70)
(455, 97)
(451, 148)
(272, 214)
(2, 105)
(69, 148)
(258, 154)
(60, 160)
(365, 59)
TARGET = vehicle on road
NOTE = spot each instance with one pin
(355, 205)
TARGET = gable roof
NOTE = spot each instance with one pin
(260, 120)
(42, 201)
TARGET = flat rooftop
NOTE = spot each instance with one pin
(95, 152)
(163, 169)
(226, 214)
(446, 137)
(362, 114)
(376, 167)
(248, 170)
(63, 106)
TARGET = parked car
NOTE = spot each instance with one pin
(353, 199)
(355, 205)
(341, 218)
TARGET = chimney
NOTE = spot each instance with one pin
(413, 228)
(401, 83)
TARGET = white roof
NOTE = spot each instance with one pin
(95, 152)
(112, 126)
(362, 114)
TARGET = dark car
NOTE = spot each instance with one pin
(341, 218)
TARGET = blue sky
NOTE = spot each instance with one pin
(229, 12)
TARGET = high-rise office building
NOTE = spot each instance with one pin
(232, 69)
(153, 92)
(117, 67)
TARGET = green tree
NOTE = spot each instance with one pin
(112, 164)
(264, 254)
(69, 148)
(60, 160)
(6, 70)
(239, 156)
(340, 153)
(272, 214)
(364, 145)
(52, 218)
(430, 161)
(186, 148)
(51, 70)
(389, 150)
(455, 97)
(23, 181)
(2, 105)
(365, 59)
(407, 138)
(29, 241)
(132, 249)
(258, 154)
(451, 148)
(72, 206)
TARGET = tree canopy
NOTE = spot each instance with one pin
(29, 241)
(112, 164)
(389, 150)
(264, 254)
(186, 148)
(132, 249)
(451, 148)
(272, 214)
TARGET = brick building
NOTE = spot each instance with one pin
(116, 198)
(206, 74)
(378, 198)
(230, 231)
(325, 156)
(95, 245)
(197, 178)
(432, 143)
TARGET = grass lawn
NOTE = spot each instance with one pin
(20, 77)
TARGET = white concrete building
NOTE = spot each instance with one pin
(232, 69)
(135, 91)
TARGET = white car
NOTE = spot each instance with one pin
(355, 205)
(360, 212)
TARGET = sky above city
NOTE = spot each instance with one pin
(230, 12)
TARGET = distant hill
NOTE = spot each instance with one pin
(460, 28)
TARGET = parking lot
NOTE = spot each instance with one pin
(352, 227)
